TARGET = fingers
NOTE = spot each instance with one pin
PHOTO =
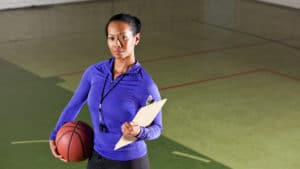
(54, 151)
(64, 160)
(126, 128)
(130, 129)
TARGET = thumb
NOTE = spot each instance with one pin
(134, 123)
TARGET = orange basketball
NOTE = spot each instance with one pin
(74, 141)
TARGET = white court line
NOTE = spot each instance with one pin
(29, 141)
(190, 156)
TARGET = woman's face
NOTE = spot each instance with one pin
(120, 39)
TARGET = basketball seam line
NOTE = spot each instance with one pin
(77, 123)
(82, 145)
(66, 132)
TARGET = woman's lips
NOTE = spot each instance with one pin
(118, 52)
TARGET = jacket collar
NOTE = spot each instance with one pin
(134, 69)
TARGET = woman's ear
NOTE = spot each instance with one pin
(137, 38)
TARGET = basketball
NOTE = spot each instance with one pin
(74, 141)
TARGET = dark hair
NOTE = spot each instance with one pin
(133, 21)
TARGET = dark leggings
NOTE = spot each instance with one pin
(97, 161)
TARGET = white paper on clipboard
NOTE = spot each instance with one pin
(144, 118)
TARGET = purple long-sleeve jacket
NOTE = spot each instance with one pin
(124, 96)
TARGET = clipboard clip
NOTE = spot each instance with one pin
(150, 100)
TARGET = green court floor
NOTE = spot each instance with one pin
(230, 70)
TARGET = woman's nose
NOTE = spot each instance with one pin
(118, 43)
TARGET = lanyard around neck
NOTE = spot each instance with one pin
(103, 96)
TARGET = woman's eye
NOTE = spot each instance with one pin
(111, 38)
(124, 37)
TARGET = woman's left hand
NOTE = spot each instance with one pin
(131, 129)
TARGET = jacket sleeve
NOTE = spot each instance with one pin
(154, 130)
(75, 104)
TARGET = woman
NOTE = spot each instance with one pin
(114, 90)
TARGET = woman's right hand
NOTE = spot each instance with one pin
(53, 149)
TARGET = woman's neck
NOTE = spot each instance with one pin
(121, 66)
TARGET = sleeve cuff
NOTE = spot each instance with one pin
(141, 135)
(51, 138)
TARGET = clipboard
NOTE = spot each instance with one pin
(144, 118)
